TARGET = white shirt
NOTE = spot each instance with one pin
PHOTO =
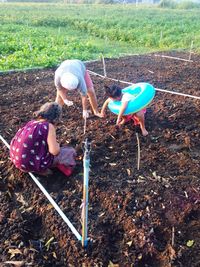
(126, 97)
(75, 67)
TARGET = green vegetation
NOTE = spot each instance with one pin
(185, 4)
(42, 35)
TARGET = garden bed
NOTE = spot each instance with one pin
(146, 217)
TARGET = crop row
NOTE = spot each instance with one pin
(43, 35)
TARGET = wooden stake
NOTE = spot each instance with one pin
(191, 50)
(138, 158)
(104, 66)
(173, 231)
(85, 124)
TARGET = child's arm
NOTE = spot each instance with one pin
(121, 112)
(105, 104)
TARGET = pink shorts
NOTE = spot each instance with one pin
(134, 117)
(88, 81)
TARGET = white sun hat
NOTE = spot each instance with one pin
(69, 81)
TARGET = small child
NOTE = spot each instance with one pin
(115, 93)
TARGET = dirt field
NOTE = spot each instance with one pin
(143, 218)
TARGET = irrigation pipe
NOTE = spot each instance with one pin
(157, 89)
(176, 93)
(5, 142)
(84, 205)
(96, 74)
(54, 204)
(86, 169)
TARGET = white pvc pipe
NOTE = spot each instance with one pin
(176, 58)
(4, 141)
(158, 89)
(96, 74)
(54, 204)
(176, 93)
(57, 208)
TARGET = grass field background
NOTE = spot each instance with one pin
(42, 35)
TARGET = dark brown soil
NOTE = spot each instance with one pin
(132, 213)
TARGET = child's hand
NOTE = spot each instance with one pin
(118, 122)
(103, 114)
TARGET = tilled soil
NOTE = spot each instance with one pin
(145, 218)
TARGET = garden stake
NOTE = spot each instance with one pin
(173, 232)
(85, 124)
(176, 58)
(86, 169)
(191, 50)
(138, 161)
(53, 203)
(104, 66)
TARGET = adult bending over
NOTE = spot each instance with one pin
(73, 75)
(34, 148)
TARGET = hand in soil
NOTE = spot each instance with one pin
(98, 114)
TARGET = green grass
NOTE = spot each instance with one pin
(42, 35)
